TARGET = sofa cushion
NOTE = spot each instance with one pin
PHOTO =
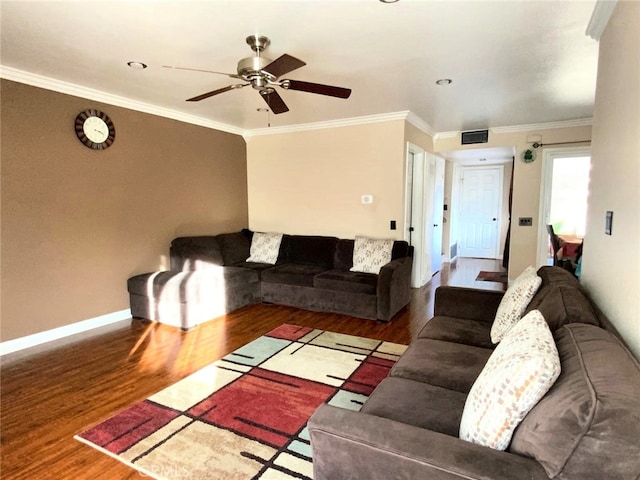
(458, 330)
(234, 246)
(445, 364)
(514, 303)
(594, 407)
(417, 403)
(557, 276)
(519, 372)
(343, 256)
(256, 267)
(345, 281)
(562, 304)
(371, 254)
(194, 253)
(265, 247)
(189, 285)
(291, 274)
(311, 250)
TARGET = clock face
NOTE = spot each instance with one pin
(95, 129)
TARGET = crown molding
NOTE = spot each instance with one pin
(580, 122)
(600, 18)
(343, 122)
(59, 86)
(417, 122)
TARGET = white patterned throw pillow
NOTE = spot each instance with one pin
(265, 247)
(521, 369)
(371, 254)
(514, 303)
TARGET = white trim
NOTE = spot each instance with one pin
(21, 343)
(580, 122)
(60, 86)
(443, 135)
(600, 18)
(417, 122)
(546, 179)
(343, 122)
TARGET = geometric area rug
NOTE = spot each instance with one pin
(244, 416)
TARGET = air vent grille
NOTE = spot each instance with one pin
(477, 136)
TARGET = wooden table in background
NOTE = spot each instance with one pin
(569, 244)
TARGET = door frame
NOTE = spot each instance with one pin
(497, 254)
(414, 210)
(546, 182)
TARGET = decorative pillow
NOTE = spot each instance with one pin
(514, 303)
(371, 254)
(265, 247)
(521, 369)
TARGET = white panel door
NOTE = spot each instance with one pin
(480, 212)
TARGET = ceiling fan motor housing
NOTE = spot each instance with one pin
(250, 69)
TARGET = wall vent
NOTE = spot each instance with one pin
(477, 136)
(453, 252)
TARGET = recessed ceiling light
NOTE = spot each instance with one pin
(388, 1)
(444, 81)
(137, 65)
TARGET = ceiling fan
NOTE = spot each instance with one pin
(263, 75)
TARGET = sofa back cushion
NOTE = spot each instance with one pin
(195, 253)
(589, 421)
(562, 304)
(235, 247)
(343, 258)
(310, 250)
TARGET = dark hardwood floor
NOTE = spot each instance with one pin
(50, 393)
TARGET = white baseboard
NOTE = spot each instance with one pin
(21, 343)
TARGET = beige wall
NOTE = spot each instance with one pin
(611, 263)
(311, 182)
(76, 223)
(526, 183)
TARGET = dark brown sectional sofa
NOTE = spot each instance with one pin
(586, 427)
(210, 276)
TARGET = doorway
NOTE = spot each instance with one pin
(424, 197)
(563, 196)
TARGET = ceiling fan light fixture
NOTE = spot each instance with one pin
(444, 81)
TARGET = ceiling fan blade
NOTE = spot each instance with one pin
(232, 75)
(216, 92)
(275, 102)
(316, 88)
(283, 64)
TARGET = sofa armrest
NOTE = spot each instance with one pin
(394, 287)
(355, 445)
(469, 303)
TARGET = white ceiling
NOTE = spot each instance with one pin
(512, 62)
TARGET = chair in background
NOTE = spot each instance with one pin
(559, 259)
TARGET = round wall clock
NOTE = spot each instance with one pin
(95, 129)
(528, 156)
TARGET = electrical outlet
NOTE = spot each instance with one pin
(525, 221)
